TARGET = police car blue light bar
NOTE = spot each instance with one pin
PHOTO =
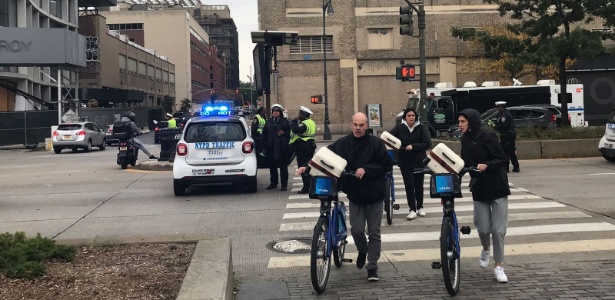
(209, 111)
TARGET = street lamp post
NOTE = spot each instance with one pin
(326, 8)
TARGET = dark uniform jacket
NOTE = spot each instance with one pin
(505, 123)
(419, 139)
(480, 147)
(367, 152)
(277, 145)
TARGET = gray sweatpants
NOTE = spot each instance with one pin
(372, 215)
(491, 219)
(138, 144)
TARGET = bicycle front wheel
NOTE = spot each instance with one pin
(450, 263)
(388, 200)
(320, 261)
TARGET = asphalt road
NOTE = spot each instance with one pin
(561, 219)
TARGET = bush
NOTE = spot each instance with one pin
(562, 133)
(22, 257)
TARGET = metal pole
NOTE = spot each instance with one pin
(423, 75)
(59, 96)
(327, 133)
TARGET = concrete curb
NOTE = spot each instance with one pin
(210, 273)
(154, 165)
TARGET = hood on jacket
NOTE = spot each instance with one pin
(474, 122)
(416, 123)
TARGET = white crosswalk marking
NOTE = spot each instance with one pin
(529, 215)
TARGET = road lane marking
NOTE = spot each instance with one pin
(434, 254)
(308, 226)
(530, 205)
(315, 205)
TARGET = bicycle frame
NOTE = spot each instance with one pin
(334, 235)
(448, 207)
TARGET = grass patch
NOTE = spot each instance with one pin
(22, 257)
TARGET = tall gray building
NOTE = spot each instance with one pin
(217, 21)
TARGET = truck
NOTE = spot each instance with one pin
(443, 102)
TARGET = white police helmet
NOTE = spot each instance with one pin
(306, 110)
(500, 103)
(277, 107)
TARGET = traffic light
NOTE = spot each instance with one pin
(405, 73)
(405, 21)
(316, 99)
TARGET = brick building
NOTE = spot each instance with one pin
(363, 48)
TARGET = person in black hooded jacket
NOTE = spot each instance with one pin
(415, 141)
(489, 187)
(365, 155)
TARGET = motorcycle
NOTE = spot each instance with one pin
(128, 154)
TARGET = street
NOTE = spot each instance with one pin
(560, 239)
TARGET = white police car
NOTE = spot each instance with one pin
(607, 143)
(215, 148)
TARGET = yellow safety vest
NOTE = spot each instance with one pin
(309, 133)
(261, 123)
(171, 123)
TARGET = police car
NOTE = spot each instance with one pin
(215, 147)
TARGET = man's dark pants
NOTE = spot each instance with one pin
(507, 141)
(305, 152)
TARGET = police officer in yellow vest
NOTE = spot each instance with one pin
(171, 121)
(303, 130)
(257, 128)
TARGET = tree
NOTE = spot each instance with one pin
(167, 104)
(248, 92)
(550, 24)
(185, 105)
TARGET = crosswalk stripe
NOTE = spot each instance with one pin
(402, 201)
(308, 226)
(400, 192)
(531, 205)
(434, 254)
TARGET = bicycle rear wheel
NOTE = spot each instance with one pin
(388, 200)
(450, 263)
(320, 262)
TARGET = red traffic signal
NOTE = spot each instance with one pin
(405, 73)
(316, 99)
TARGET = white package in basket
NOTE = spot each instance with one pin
(444, 160)
(326, 163)
(390, 141)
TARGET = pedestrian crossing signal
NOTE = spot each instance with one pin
(316, 99)
(405, 73)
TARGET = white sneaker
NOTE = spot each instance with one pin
(421, 212)
(499, 275)
(484, 259)
(411, 215)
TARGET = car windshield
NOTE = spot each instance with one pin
(611, 118)
(487, 114)
(214, 132)
(69, 126)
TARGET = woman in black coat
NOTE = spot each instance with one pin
(489, 188)
(415, 141)
(276, 135)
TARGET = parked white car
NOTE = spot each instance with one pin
(215, 148)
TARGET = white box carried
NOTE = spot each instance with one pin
(390, 141)
(444, 160)
(326, 163)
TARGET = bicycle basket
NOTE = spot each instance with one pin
(323, 188)
(444, 185)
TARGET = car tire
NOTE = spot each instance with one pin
(609, 158)
(179, 189)
(252, 185)
(75, 149)
(103, 145)
(88, 148)
(57, 150)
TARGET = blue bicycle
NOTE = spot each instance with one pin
(330, 232)
(389, 192)
(447, 187)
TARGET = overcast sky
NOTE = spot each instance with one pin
(245, 15)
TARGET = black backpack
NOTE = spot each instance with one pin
(122, 130)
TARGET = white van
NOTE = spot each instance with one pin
(607, 143)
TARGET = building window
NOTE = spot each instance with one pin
(126, 26)
(8, 13)
(165, 76)
(312, 44)
(151, 71)
(55, 8)
(142, 68)
(380, 38)
(158, 73)
(172, 78)
(122, 61)
(132, 65)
